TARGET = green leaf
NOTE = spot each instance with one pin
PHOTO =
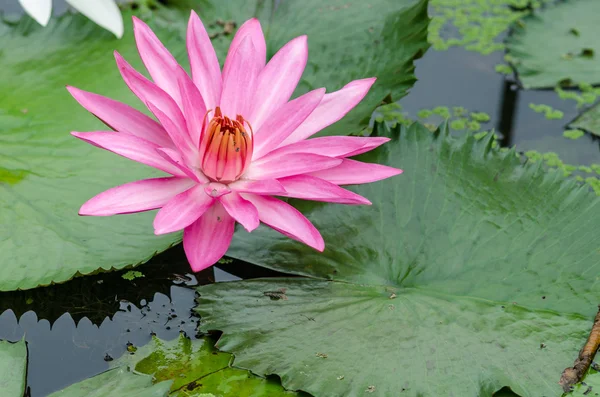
(132, 275)
(45, 174)
(573, 134)
(558, 44)
(470, 272)
(196, 368)
(116, 382)
(588, 120)
(13, 368)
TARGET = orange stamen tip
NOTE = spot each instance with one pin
(228, 147)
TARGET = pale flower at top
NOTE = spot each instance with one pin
(105, 13)
(231, 139)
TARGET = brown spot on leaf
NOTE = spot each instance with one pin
(276, 295)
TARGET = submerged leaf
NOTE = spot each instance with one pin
(470, 272)
(196, 368)
(116, 382)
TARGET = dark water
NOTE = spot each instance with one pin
(70, 328)
(457, 77)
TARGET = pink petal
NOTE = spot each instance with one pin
(148, 92)
(273, 167)
(239, 84)
(174, 157)
(251, 29)
(352, 172)
(333, 146)
(311, 188)
(158, 60)
(243, 211)
(284, 121)
(204, 64)
(370, 144)
(333, 107)
(144, 195)
(182, 210)
(193, 108)
(180, 138)
(121, 117)
(266, 186)
(278, 80)
(131, 147)
(286, 220)
(206, 240)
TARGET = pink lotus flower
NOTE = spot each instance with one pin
(231, 140)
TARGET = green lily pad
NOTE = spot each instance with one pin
(13, 368)
(116, 382)
(469, 273)
(196, 368)
(558, 44)
(45, 174)
(589, 120)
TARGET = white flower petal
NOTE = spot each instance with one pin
(40, 10)
(105, 13)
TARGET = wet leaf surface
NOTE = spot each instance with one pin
(470, 272)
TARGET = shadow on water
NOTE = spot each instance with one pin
(73, 328)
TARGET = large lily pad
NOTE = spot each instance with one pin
(469, 273)
(558, 44)
(45, 174)
(197, 368)
(13, 368)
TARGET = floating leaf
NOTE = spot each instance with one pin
(573, 134)
(196, 368)
(132, 275)
(572, 53)
(116, 382)
(13, 368)
(589, 120)
(470, 272)
(45, 174)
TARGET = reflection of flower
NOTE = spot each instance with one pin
(104, 12)
(230, 139)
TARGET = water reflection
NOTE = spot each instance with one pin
(72, 329)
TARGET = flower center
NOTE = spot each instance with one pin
(227, 148)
